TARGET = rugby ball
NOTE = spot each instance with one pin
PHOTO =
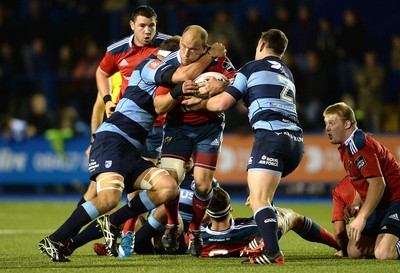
(203, 78)
(219, 76)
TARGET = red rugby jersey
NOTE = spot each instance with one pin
(364, 157)
(342, 196)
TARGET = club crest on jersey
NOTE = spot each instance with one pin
(154, 64)
(360, 162)
(108, 164)
(350, 164)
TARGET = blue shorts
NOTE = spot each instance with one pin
(183, 140)
(153, 143)
(384, 219)
(280, 151)
(111, 152)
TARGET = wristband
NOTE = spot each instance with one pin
(176, 91)
(106, 98)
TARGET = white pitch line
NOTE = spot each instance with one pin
(24, 231)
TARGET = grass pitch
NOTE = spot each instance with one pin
(24, 224)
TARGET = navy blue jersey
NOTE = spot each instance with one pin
(228, 242)
(186, 195)
(135, 114)
(267, 89)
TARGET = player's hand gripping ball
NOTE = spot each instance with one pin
(203, 78)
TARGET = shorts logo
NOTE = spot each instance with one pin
(167, 140)
(394, 217)
(269, 161)
(270, 220)
(215, 142)
(93, 165)
(250, 160)
(108, 164)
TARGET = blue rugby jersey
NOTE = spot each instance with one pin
(135, 114)
(267, 89)
(231, 241)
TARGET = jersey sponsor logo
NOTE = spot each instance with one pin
(394, 217)
(123, 63)
(360, 162)
(154, 64)
(227, 65)
(108, 164)
(269, 161)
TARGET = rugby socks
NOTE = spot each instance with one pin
(171, 210)
(90, 233)
(81, 216)
(313, 232)
(81, 201)
(200, 205)
(398, 249)
(139, 204)
(150, 229)
(130, 225)
(268, 226)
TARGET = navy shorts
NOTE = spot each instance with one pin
(280, 151)
(384, 219)
(180, 141)
(111, 152)
(152, 145)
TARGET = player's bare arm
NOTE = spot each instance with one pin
(164, 103)
(374, 194)
(104, 90)
(193, 70)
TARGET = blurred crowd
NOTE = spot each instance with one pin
(50, 49)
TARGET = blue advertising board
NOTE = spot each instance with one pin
(35, 161)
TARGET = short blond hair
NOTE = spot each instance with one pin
(341, 109)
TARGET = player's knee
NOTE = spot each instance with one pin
(168, 188)
(203, 187)
(354, 253)
(383, 253)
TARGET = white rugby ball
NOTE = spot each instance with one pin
(219, 76)
(202, 78)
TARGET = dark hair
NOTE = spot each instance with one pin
(145, 11)
(220, 205)
(171, 44)
(275, 40)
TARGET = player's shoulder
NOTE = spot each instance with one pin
(159, 38)
(357, 142)
(121, 46)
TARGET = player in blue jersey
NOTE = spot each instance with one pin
(223, 235)
(267, 88)
(116, 163)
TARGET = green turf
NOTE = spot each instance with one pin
(24, 224)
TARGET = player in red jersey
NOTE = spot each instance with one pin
(186, 133)
(375, 174)
(343, 196)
